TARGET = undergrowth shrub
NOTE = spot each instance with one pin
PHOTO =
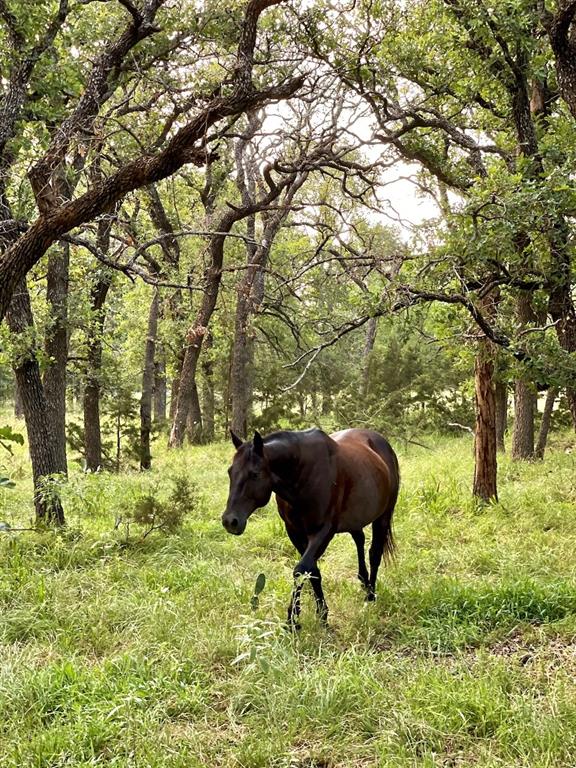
(154, 513)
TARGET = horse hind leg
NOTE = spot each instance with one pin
(381, 541)
(359, 540)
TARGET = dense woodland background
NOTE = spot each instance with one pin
(198, 233)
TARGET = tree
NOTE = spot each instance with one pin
(42, 446)
(560, 28)
(462, 129)
(186, 145)
(93, 375)
(223, 221)
(28, 240)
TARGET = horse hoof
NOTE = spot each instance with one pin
(293, 626)
(370, 597)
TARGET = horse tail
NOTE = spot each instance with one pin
(389, 548)
(388, 455)
(389, 543)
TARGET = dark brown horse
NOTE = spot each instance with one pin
(324, 485)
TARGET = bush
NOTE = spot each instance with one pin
(155, 514)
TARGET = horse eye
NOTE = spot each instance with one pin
(253, 474)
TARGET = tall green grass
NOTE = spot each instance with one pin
(118, 651)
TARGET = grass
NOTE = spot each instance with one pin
(130, 652)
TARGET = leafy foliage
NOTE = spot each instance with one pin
(7, 436)
(153, 513)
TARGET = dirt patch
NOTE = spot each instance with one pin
(523, 649)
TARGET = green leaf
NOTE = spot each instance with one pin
(258, 587)
(260, 583)
(7, 433)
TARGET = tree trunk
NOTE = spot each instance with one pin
(160, 386)
(187, 391)
(208, 404)
(18, 407)
(501, 397)
(118, 441)
(367, 353)
(226, 395)
(176, 384)
(242, 377)
(242, 361)
(560, 304)
(524, 393)
(40, 437)
(170, 246)
(212, 280)
(250, 292)
(561, 308)
(91, 400)
(563, 42)
(242, 350)
(524, 411)
(56, 347)
(486, 468)
(194, 431)
(148, 384)
(545, 423)
(91, 411)
(250, 295)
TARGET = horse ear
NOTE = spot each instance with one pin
(236, 440)
(258, 444)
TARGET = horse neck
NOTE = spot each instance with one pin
(293, 463)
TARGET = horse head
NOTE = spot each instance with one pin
(250, 483)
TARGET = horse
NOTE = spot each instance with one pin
(324, 485)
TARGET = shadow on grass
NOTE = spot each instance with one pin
(449, 616)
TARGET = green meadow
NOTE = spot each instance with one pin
(124, 650)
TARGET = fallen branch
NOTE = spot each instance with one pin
(462, 426)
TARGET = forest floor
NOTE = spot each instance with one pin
(122, 651)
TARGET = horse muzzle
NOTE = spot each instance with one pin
(233, 523)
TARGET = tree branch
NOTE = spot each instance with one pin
(185, 147)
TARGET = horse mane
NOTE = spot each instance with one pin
(301, 438)
(293, 436)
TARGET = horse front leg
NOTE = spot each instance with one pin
(300, 541)
(308, 566)
(294, 606)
